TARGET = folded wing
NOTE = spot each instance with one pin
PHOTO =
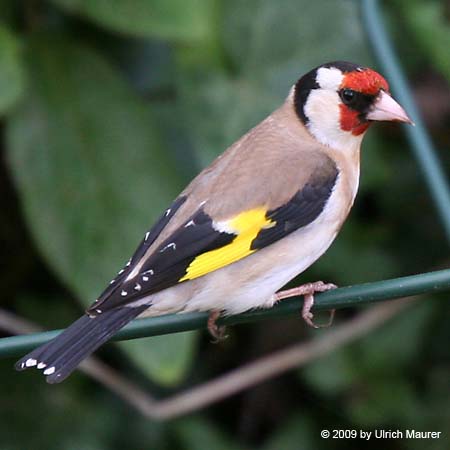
(202, 245)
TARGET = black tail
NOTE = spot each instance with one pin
(60, 357)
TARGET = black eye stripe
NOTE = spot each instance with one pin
(356, 100)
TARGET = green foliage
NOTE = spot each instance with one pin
(298, 433)
(12, 74)
(430, 27)
(179, 20)
(166, 358)
(85, 155)
(372, 371)
(109, 108)
(85, 133)
(220, 107)
(197, 434)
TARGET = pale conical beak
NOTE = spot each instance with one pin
(387, 109)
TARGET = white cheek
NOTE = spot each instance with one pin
(322, 110)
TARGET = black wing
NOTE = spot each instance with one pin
(166, 266)
(304, 207)
(148, 240)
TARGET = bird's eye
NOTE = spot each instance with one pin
(348, 96)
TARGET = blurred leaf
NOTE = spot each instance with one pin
(397, 343)
(89, 165)
(12, 73)
(427, 21)
(8, 10)
(435, 409)
(88, 428)
(385, 400)
(382, 355)
(220, 108)
(220, 111)
(180, 20)
(255, 42)
(333, 374)
(170, 121)
(376, 160)
(297, 433)
(148, 64)
(88, 162)
(371, 372)
(195, 433)
(156, 355)
(357, 255)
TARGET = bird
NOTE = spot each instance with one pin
(259, 215)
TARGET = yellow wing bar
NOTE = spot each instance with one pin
(246, 226)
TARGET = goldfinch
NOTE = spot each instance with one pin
(259, 215)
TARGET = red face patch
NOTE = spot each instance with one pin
(350, 121)
(367, 82)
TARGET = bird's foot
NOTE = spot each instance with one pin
(217, 332)
(308, 290)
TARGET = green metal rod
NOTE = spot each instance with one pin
(358, 295)
(418, 136)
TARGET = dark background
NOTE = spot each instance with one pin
(108, 109)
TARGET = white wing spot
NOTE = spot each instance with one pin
(138, 287)
(98, 311)
(168, 211)
(49, 371)
(41, 365)
(121, 271)
(191, 223)
(149, 271)
(172, 245)
(111, 282)
(128, 263)
(124, 293)
(30, 362)
(144, 278)
(147, 235)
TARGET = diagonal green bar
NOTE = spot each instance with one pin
(358, 295)
(418, 136)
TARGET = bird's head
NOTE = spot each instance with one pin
(338, 101)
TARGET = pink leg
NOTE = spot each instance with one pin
(308, 290)
(218, 333)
